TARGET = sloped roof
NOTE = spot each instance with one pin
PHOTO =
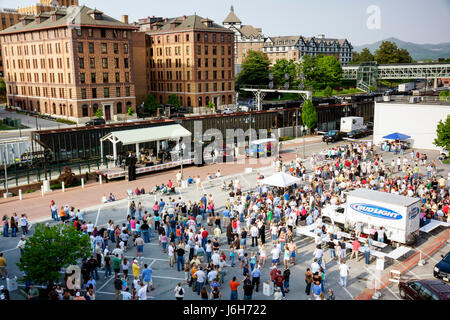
(71, 16)
(289, 39)
(232, 17)
(187, 22)
(248, 31)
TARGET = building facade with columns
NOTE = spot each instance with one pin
(68, 63)
(191, 57)
(246, 38)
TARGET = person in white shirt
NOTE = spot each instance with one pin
(254, 233)
(142, 293)
(215, 258)
(275, 256)
(104, 200)
(179, 291)
(126, 295)
(201, 277)
(315, 266)
(212, 275)
(21, 244)
(343, 273)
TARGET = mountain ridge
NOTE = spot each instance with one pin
(416, 50)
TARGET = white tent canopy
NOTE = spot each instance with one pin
(262, 141)
(281, 180)
(136, 136)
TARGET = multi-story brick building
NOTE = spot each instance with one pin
(8, 18)
(69, 63)
(295, 47)
(191, 57)
(246, 38)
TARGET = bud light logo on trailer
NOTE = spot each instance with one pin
(375, 211)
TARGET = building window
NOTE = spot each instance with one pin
(205, 37)
(125, 48)
(94, 108)
(92, 62)
(93, 77)
(127, 91)
(127, 77)
(105, 77)
(125, 61)
(103, 33)
(106, 92)
(91, 47)
(116, 48)
(94, 93)
(119, 107)
(79, 32)
(81, 63)
(82, 78)
(105, 63)
(117, 91)
(104, 48)
(84, 110)
(80, 47)
(116, 62)
(200, 101)
(83, 95)
(117, 77)
(90, 32)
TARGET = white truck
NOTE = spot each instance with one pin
(406, 87)
(351, 123)
(398, 215)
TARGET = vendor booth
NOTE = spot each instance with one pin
(260, 148)
(164, 154)
(395, 142)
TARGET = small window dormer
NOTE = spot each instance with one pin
(96, 14)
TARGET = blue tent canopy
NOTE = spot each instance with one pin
(397, 136)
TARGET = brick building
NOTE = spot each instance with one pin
(8, 18)
(69, 63)
(246, 38)
(295, 47)
(191, 57)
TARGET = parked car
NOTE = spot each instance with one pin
(96, 122)
(355, 134)
(442, 268)
(424, 290)
(333, 136)
(227, 111)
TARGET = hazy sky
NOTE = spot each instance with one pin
(420, 21)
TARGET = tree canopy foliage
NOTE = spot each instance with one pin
(255, 69)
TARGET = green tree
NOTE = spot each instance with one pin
(283, 67)
(309, 115)
(389, 53)
(328, 92)
(173, 100)
(364, 56)
(150, 103)
(210, 105)
(2, 88)
(443, 95)
(321, 71)
(130, 111)
(443, 134)
(255, 69)
(51, 248)
(98, 113)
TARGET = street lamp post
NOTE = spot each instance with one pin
(35, 116)
(180, 149)
(6, 171)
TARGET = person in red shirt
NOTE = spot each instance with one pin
(234, 286)
(170, 184)
(355, 249)
(273, 274)
(279, 278)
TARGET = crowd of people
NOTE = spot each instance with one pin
(258, 225)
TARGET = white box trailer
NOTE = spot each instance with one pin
(398, 215)
(406, 87)
(351, 123)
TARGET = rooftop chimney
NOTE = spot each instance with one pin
(125, 18)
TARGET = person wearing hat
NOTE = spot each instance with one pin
(78, 296)
(136, 269)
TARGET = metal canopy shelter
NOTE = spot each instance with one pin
(136, 136)
(260, 93)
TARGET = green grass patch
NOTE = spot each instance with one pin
(58, 186)
(321, 94)
(65, 121)
(446, 161)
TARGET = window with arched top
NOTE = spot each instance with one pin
(119, 107)
(230, 99)
(189, 101)
(94, 108)
(71, 110)
(54, 108)
(200, 102)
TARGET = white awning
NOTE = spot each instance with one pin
(159, 133)
(281, 180)
(262, 141)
